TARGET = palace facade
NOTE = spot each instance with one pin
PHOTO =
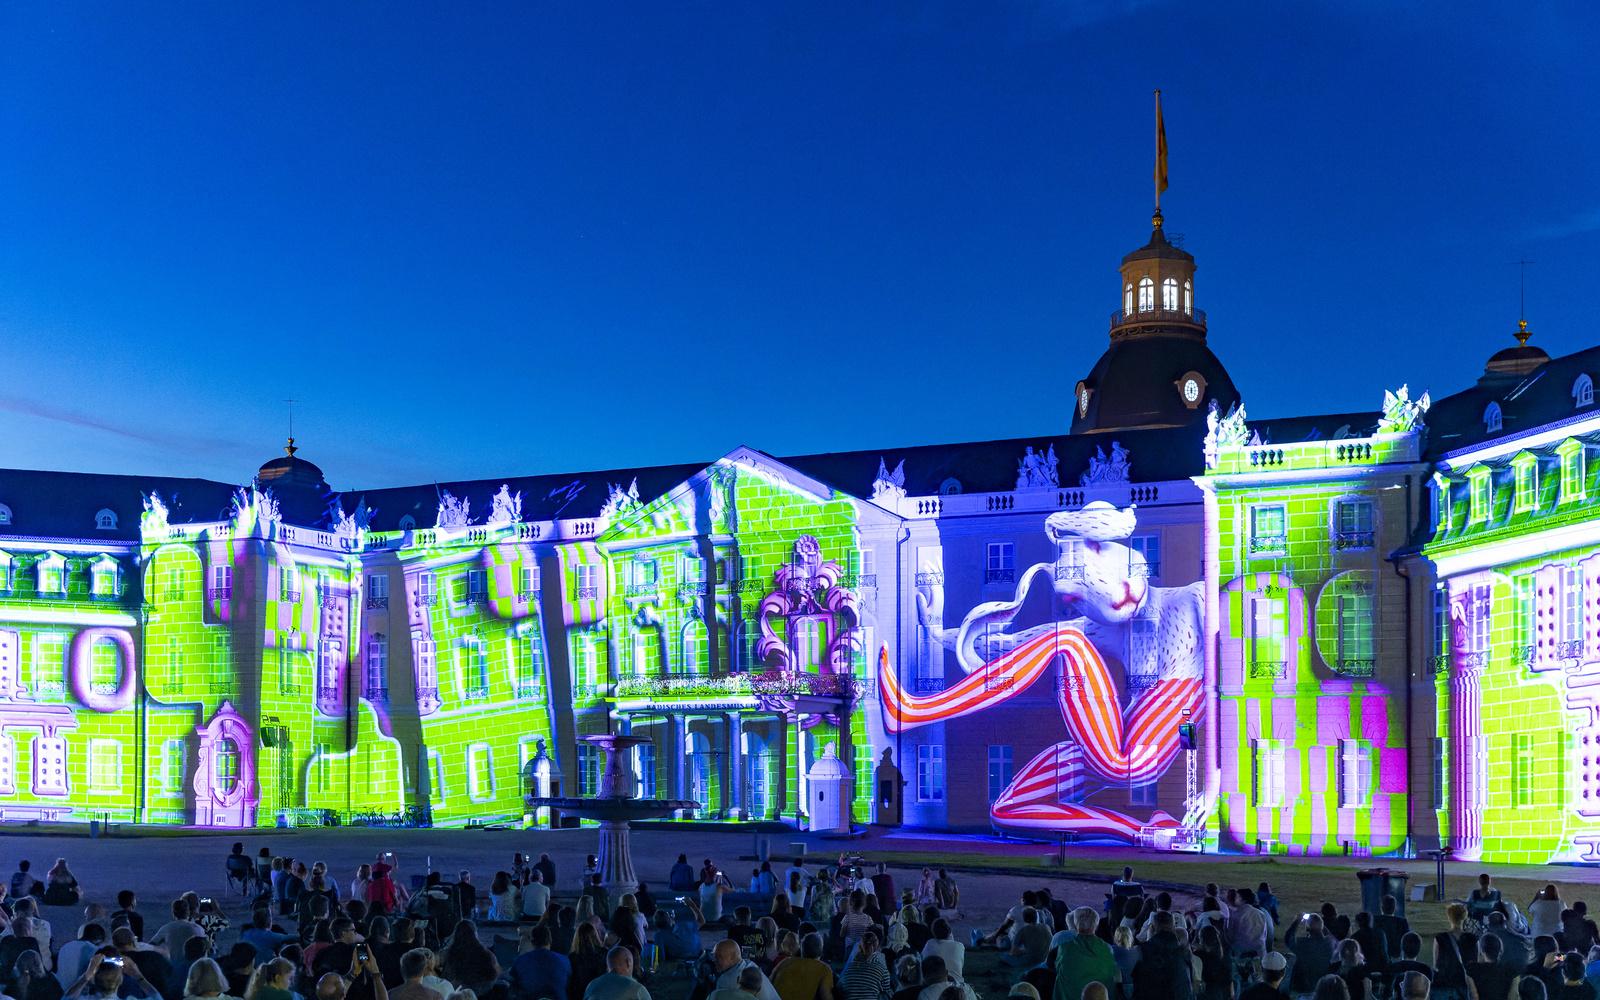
(1165, 623)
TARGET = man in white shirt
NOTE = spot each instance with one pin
(950, 951)
(74, 955)
(535, 896)
(730, 965)
(175, 933)
(936, 978)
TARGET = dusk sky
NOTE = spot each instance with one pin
(492, 240)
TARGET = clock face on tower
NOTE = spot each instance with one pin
(1191, 391)
(1083, 400)
(1191, 388)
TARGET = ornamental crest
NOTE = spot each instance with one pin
(889, 485)
(154, 518)
(507, 506)
(809, 601)
(619, 500)
(1401, 413)
(1036, 471)
(1107, 471)
(454, 512)
(1225, 431)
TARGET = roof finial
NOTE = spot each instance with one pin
(1522, 333)
(289, 449)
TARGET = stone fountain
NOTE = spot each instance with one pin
(615, 807)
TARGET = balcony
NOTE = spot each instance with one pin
(1570, 649)
(638, 589)
(1006, 575)
(527, 596)
(427, 600)
(1142, 681)
(932, 578)
(377, 603)
(1523, 655)
(1069, 572)
(477, 597)
(1269, 670)
(1343, 540)
(717, 687)
(588, 593)
(104, 597)
(1149, 570)
(926, 685)
(1269, 543)
(528, 690)
(1158, 317)
(292, 596)
(695, 587)
(330, 602)
(1357, 667)
(1441, 664)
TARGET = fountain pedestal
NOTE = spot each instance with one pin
(615, 808)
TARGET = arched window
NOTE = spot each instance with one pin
(1169, 295)
(408, 523)
(1147, 295)
(1127, 299)
(1583, 391)
(226, 766)
(5, 514)
(1188, 298)
(105, 520)
(1491, 418)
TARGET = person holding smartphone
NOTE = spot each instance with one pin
(103, 980)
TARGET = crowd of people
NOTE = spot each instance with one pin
(841, 932)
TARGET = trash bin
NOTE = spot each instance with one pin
(1377, 883)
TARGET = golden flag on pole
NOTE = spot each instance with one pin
(1161, 152)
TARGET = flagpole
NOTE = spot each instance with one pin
(1157, 179)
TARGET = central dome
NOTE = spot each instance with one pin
(1157, 371)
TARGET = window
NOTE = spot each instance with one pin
(427, 665)
(527, 582)
(1571, 611)
(1525, 470)
(408, 523)
(1352, 524)
(225, 765)
(1000, 564)
(1147, 295)
(1001, 770)
(644, 653)
(1188, 297)
(52, 575)
(1355, 774)
(1441, 772)
(930, 769)
(1521, 769)
(583, 666)
(644, 762)
(1355, 634)
(474, 654)
(642, 574)
(174, 765)
(1522, 590)
(175, 656)
(377, 591)
(1479, 620)
(49, 662)
(694, 647)
(480, 772)
(103, 578)
(436, 775)
(530, 666)
(1169, 294)
(1127, 303)
(477, 586)
(1149, 548)
(586, 579)
(1267, 772)
(377, 677)
(106, 667)
(1269, 624)
(288, 584)
(5, 572)
(105, 765)
(1492, 418)
(1482, 495)
(1572, 469)
(588, 769)
(1583, 391)
(1143, 795)
(1142, 649)
(221, 582)
(105, 520)
(694, 570)
(1268, 528)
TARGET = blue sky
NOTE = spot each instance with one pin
(520, 238)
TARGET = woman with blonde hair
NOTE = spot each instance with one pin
(206, 981)
(788, 947)
(271, 980)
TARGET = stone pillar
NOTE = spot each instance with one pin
(615, 858)
(781, 778)
(725, 775)
(676, 731)
(735, 727)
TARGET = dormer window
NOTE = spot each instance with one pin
(103, 578)
(1127, 299)
(5, 514)
(1583, 392)
(1572, 470)
(1525, 472)
(52, 574)
(1147, 295)
(105, 520)
(1443, 508)
(408, 523)
(1169, 295)
(1188, 298)
(1491, 418)
(1481, 494)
